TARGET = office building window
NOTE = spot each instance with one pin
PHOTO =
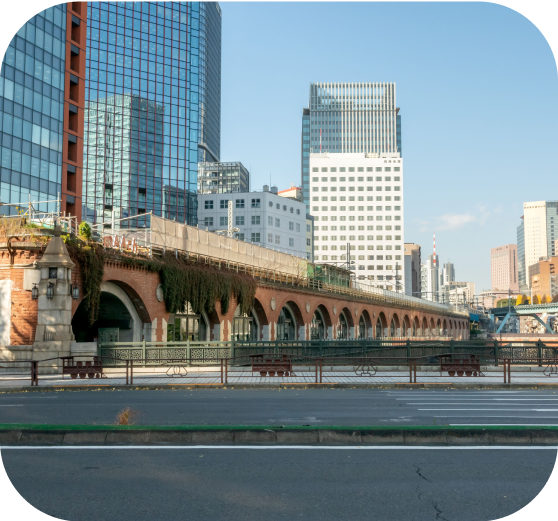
(208, 221)
(223, 221)
(239, 220)
(255, 204)
(240, 203)
(277, 222)
(291, 242)
(255, 237)
(291, 225)
(208, 205)
(277, 239)
(297, 227)
(223, 203)
(255, 219)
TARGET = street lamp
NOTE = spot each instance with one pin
(50, 291)
(35, 292)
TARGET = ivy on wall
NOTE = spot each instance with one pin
(183, 280)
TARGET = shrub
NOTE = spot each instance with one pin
(84, 230)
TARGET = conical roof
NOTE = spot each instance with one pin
(56, 255)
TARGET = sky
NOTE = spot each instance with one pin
(478, 90)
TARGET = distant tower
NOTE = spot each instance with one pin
(434, 253)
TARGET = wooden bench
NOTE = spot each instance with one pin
(468, 365)
(87, 369)
(269, 365)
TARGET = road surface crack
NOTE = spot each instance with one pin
(439, 513)
(418, 472)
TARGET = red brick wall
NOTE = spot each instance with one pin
(141, 286)
(24, 308)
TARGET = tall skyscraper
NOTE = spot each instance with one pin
(447, 273)
(521, 273)
(413, 276)
(504, 268)
(41, 111)
(152, 105)
(350, 132)
(349, 118)
(145, 77)
(539, 235)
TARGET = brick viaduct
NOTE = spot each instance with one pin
(138, 288)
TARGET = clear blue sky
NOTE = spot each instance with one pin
(478, 91)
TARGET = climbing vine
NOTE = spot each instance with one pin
(183, 280)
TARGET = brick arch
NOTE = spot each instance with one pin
(432, 326)
(348, 315)
(416, 326)
(424, 326)
(394, 331)
(406, 326)
(368, 323)
(328, 322)
(136, 299)
(381, 323)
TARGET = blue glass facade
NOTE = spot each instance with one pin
(149, 106)
(32, 111)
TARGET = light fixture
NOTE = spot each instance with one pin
(35, 292)
(50, 291)
(75, 291)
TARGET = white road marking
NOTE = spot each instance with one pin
(505, 424)
(494, 416)
(18, 405)
(280, 447)
(535, 410)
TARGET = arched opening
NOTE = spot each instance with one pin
(286, 324)
(394, 326)
(318, 326)
(445, 328)
(361, 327)
(188, 326)
(432, 327)
(424, 327)
(438, 327)
(118, 319)
(406, 327)
(416, 326)
(381, 325)
(342, 327)
(246, 327)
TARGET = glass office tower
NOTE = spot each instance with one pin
(32, 112)
(350, 118)
(152, 102)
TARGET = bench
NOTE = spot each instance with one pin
(468, 365)
(269, 365)
(88, 369)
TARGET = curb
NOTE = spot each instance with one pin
(109, 435)
(286, 385)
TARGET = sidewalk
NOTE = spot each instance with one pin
(149, 378)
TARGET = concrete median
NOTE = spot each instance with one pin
(108, 435)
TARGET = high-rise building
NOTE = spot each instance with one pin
(41, 109)
(349, 118)
(431, 278)
(521, 274)
(412, 269)
(447, 274)
(162, 59)
(223, 178)
(539, 235)
(357, 199)
(504, 268)
(145, 77)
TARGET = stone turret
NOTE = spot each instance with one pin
(54, 327)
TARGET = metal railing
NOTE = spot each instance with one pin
(209, 352)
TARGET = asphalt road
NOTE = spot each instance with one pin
(286, 407)
(233, 484)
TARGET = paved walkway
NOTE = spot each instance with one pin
(146, 377)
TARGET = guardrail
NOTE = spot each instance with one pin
(444, 368)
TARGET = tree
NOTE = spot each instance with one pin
(545, 299)
(519, 300)
(555, 298)
(536, 299)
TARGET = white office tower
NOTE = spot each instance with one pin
(357, 199)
